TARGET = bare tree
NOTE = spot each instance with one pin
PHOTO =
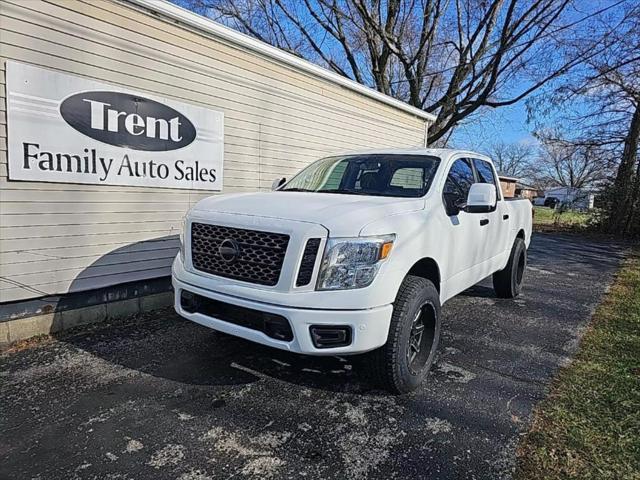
(448, 57)
(600, 104)
(625, 80)
(512, 158)
(566, 164)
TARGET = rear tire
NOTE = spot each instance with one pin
(402, 363)
(507, 283)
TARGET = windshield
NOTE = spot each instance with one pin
(381, 175)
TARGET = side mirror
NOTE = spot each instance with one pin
(277, 183)
(482, 198)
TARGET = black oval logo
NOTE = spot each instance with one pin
(229, 250)
(126, 120)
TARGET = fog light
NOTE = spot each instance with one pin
(188, 301)
(329, 336)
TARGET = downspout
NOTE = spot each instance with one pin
(426, 134)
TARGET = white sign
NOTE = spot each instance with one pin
(69, 129)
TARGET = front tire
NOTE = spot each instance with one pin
(402, 363)
(507, 283)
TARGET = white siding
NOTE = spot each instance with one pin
(56, 238)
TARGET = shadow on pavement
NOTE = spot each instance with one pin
(166, 346)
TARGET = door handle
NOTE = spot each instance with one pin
(484, 221)
(505, 217)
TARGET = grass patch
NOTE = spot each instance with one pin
(548, 219)
(589, 425)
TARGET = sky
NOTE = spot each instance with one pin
(504, 124)
(509, 124)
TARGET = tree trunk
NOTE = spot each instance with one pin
(633, 219)
(622, 202)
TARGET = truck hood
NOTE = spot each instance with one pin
(342, 215)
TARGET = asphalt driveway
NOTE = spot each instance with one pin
(163, 398)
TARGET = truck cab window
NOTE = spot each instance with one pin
(335, 176)
(378, 175)
(457, 185)
(485, 174)
(408, 178)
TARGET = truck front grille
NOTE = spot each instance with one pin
(248, 255)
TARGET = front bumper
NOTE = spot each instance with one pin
(369, 328)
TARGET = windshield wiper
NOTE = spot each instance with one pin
(346, 192)
(331, 190)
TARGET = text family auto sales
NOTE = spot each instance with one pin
(90, 162)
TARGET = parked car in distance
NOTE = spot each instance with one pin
(354, 255)
(551, 202)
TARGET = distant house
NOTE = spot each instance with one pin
(508, 185)
(528, 191)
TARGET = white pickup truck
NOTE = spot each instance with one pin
(354, 255)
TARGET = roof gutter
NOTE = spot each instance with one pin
(207, 25)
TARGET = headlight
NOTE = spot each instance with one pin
(183, 226)
(353, 262)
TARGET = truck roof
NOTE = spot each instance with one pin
(435, 152)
